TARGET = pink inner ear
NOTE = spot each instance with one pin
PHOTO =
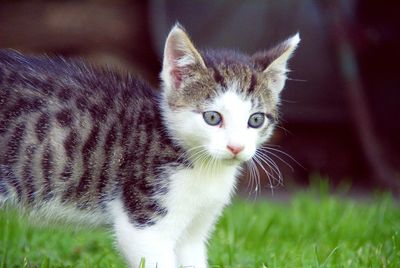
(176, 72)
(176, 75)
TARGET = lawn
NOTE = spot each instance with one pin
(310, 230)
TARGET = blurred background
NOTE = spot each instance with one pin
(340, 118)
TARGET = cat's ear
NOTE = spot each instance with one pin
(180, 58)
(273, 62)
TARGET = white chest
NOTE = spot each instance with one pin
(196, 195)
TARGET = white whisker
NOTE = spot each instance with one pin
(267, 148)
(274, 168)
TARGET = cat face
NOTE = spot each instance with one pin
(221, 105)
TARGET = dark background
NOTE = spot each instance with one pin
(340, 116)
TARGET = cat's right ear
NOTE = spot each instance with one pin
(180, 58)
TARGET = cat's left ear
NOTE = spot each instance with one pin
(180, 58)
(273, 62)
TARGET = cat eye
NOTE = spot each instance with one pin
(256, 120)
(212, 118)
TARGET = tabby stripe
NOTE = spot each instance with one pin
(146, 158)
(12, 180)
(70, 145)
(27, 176)
(64, 118)
(14, 144)
(42, 127)
(87, 151)
(12, 112)
(67, 171)
(129, 120)
(143, 141)
(47, 166)
(4, 94)
(253, 82)
(2, 75)
(218, 77)
(65, 94)
(97, 112)
(108, 146)
(142, 182)
(20, 107)
(3, 186)
(130, 195)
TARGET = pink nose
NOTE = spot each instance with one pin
(235, 149)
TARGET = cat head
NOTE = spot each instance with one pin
(222, 104)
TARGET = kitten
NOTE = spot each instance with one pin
(87, 144)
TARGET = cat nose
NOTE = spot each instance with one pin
(235, 149)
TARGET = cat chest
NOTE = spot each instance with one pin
(194, 195)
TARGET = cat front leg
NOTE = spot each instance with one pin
(192, 254)
(191, 248)
(146, 243)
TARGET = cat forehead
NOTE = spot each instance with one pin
(227, 67)
(205, 87)
(225, 71)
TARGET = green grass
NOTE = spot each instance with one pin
(310, 230)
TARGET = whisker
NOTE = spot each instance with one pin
(273, 168)
(281, 159)
(270, 161)
(273, 172)
(251, 176)
(255, 180)
(266, 148)
(266, 172)
(284, 129)
(296, 80)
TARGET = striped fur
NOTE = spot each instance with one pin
(83, 135)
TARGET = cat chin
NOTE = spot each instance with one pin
(233, 161)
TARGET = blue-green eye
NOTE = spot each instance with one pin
(256, 120)
(212, 118)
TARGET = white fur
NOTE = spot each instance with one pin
(195, 200)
